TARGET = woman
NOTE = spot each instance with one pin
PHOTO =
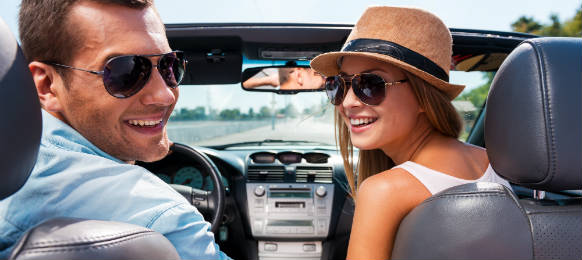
(389, 85)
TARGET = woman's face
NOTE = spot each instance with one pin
(384, 125)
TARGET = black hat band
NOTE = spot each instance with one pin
(398, 52)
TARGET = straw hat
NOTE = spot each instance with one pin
(412, 39)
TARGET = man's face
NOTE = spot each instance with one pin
(313, 79)
(107, 31)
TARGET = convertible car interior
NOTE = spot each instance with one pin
(284, 199)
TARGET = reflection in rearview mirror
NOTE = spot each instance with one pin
(285, 78)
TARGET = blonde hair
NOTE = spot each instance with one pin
(439, 111)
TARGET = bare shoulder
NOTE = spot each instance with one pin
(456, 158)
(394, 185)
(382, 202)
(479, 154)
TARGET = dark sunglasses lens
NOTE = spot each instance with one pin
(172, 67)
(334, 88)
(126, 75)
(369, 88)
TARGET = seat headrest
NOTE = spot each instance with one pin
(21, 127)
(533, 125)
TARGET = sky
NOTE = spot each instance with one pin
(470, 14)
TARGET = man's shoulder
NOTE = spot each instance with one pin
(57, 159)
(83, 185)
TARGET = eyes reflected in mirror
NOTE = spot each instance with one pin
(284, 78)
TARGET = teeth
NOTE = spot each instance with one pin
(361, 121)
(144, 122)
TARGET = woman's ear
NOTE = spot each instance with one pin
(48, 86)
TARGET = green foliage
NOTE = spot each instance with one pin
(198, 113)
(571, 27)
(264, 112)
(230, 114)
(478, 95)
(289, 111)
(526, 25)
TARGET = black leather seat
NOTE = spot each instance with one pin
(533, 135)
(62, 238)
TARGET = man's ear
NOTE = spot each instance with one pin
(299, 73)
(48, 86)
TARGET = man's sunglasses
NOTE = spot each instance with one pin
(369, 88)
(124, 76)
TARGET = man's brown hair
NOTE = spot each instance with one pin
(45, 32)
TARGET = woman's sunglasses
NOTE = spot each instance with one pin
(124, 76)
(369, 88)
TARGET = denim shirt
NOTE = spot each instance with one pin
(74, 178)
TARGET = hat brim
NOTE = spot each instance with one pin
(327, 64)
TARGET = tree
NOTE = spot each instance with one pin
(264, 112)
(230, 114)
(526, 25)
(289, 111)
(571, 27)
(198, 113)
(478, 95)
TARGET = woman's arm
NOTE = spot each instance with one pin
(382, 202)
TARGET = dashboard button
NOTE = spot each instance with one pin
(321, 191)
(259, 203)
(270, 247)
(259, 191)
(308, 247)
(258, 225)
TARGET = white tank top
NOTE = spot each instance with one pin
(436, 181)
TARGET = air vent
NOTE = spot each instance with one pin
(313, 174)
(265, 173)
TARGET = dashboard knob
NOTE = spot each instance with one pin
(259, 190)
(321, 191)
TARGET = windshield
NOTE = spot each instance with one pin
(222, 115)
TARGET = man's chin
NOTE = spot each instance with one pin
(152, 156)
(149, 153)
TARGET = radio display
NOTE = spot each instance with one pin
(278, 194)
(296, 223)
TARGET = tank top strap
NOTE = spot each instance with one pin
(436, 181)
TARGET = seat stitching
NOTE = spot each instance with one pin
(464, 195)
(547, 102)
(89, 239)
(87, 247)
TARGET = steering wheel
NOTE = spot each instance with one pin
(207, 202)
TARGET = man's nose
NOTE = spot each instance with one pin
(157, 92)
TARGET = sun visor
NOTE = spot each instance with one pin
(215, 60)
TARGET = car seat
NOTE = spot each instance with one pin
(533, 136)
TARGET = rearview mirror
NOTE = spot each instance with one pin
(282, 79)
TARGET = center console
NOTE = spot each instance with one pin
(289, 220)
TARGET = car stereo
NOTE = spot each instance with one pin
(289, 210)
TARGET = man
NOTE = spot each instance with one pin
(293, 78)
(300, 78)
(103, 108)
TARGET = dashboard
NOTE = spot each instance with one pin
(184, 172)
(283, 203)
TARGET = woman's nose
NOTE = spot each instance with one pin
(351, 100)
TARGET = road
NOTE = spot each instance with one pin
(202, 133)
